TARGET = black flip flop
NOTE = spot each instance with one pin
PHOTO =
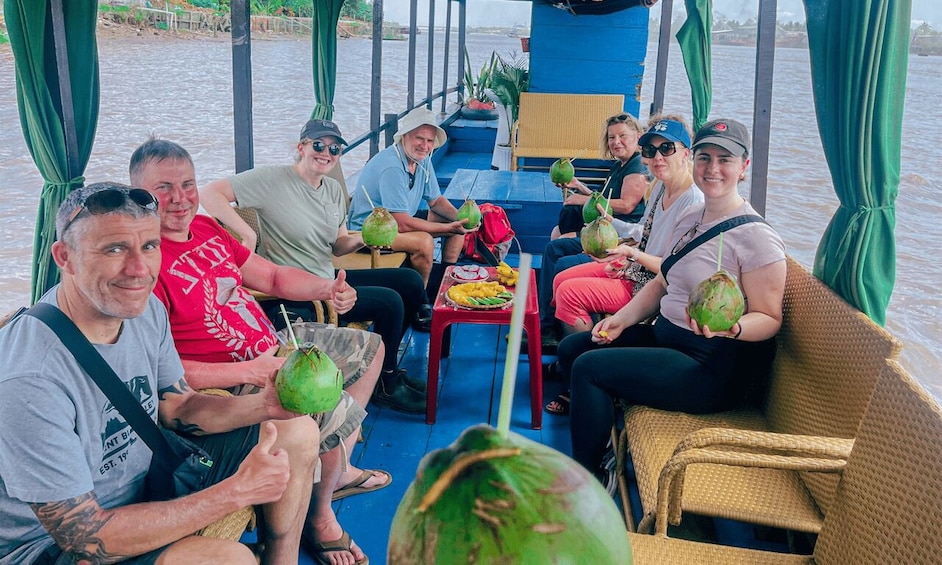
(561, 405)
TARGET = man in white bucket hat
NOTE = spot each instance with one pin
(399, 178)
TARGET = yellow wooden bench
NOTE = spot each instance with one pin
(558, 126)
(826, 366)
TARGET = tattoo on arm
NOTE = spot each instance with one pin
(187, 427)
(75, 524)
(179, 387)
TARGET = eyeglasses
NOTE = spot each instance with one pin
(667, 148)
(319, 146)
(109, 200)
(686, 238)
(617, 119)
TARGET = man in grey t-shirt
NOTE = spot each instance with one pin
(71, 468)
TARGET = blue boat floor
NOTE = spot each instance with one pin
(470, 382)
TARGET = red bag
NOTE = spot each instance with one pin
(492, 238)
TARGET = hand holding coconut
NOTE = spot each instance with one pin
(716, 304)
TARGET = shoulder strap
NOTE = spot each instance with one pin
(727, 225)
(104, 376)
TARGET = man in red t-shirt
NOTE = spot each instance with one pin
(215, 321)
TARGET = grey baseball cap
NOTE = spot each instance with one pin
(728, 134)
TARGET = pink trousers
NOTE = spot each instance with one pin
(587, 288)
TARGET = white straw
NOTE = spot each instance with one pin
(513, 345)
(367, 194)
(294, 340)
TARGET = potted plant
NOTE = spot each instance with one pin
(508, 81)
(476, 104)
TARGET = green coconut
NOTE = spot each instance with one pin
(716, 302)
(562, 171)
(597, 237)
(590, 210)
(470, 213)
(380, 228)
(309, 382)
(487, 499)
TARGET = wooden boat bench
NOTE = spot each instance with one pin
(554, 126)
(885, 509)
(828, 358)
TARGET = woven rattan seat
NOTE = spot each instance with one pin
(886, 507)
(827, 361)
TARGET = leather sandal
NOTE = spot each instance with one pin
(319, 550)
(355, 486)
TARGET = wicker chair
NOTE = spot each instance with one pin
(826, 365)
(538, 131)
(886, 508)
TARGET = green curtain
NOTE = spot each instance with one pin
(695, 45)
(324, 45)
(29, 25)
(859, 55)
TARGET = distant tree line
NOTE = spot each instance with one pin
(351, 9)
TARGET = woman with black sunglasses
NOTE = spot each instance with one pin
(302, 212)
(674, 364)
(605, 285)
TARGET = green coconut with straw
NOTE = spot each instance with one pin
(494, 496)
(590, 210)
(309, 381)
(380, 228)
(717, 302)
(562, 171)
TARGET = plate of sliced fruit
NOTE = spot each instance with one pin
(469, 273)
(479, 295)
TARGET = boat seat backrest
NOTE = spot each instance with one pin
(889, 501)
(827, 363)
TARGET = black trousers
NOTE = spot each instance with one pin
(389, 298)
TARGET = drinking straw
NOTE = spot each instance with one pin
(513, 346)
(367, 194)
(294, 340)
(269, 325)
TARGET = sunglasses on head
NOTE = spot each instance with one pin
(319, 147)
(105, 201)
(667, 148)
(617, 119)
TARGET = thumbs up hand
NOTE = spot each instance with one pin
(342, 296)
(265, 471)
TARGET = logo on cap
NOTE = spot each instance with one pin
(660, 126)
(720, 127)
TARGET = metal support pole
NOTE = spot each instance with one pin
(762, 110)
(376, 80)
(413, 32)
(430, 75)
(462, 40)
(663, 49)
(242, 84)
(447, 56)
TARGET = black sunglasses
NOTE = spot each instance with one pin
(319, 146)
(109, 200)
(617, 119)
(667, 148)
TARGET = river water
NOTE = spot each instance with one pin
(179, 89)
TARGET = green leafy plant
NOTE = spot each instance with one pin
(508, 80)
(474, 87)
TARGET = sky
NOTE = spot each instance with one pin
(506, 13)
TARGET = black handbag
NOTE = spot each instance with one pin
(178, 466)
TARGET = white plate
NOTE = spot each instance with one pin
(469, 273)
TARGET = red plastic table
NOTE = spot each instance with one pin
(444, 314)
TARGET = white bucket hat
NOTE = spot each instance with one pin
(417, 118)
